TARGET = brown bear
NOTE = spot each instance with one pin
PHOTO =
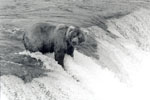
(60, 39)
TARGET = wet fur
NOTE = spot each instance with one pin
(47, 38)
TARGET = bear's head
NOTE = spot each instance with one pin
(76, 35)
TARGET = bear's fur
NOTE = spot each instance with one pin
(60, 39)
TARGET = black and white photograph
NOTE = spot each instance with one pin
(74, 49)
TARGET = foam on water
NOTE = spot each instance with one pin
(124, 54)
(48, 61)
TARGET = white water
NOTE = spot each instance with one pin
(121, 73)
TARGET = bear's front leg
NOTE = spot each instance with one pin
(70, 51)
(59, 56)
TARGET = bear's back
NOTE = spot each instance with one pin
(43, 29)
(40, 31)
(38, 36)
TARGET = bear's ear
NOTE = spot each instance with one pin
(85, 34)
(69, 31)
(61, 26)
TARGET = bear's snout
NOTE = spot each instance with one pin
(75, 41)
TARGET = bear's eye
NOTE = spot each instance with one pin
(74, 35)
(77, 33)
(80, 40)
